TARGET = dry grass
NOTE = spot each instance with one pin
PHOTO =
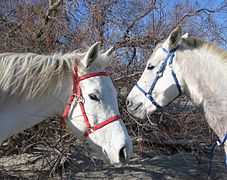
(174, 130)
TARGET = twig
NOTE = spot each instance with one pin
(128, 76)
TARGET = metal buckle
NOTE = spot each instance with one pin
(171, 66)
(79, 99)
(91, 130)
(148, 96)
(159, 74)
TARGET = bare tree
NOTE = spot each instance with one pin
(133, 28)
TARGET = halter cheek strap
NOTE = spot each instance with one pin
(219, 142)
(168, 61)
(78, 97)
(148, 96)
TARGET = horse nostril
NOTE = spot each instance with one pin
(128, 103)
(123, 154)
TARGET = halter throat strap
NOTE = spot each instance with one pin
(78, 97)
(168, 61)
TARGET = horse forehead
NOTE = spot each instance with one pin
(100, 61)
(155, 57)
(99, 84)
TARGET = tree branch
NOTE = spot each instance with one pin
(142, 41)
(52, 7)
(195, 13)
(132, 24)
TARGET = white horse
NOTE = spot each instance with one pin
(188, 65)
(34, 87)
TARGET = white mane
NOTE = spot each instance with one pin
(31, 75)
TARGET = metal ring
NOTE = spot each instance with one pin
(79, 99)
(171, 66)
(148, 96)
(159, 74)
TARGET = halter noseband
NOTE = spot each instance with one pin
(167, 61)
(78, 97)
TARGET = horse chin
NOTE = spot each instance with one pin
(101, 155)
(107, 160)
(139, 114)
(143, 113)
(117, 165)
(150, 110)
(105, 157)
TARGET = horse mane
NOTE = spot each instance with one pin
(211, 81)
(192, 42)
(32, 75)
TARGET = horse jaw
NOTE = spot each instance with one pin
(112, 138)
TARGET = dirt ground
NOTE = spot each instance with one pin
(181, 166)
(159, 167)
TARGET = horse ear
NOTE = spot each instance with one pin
(91, 55)
(106, 57)
(109, 51)
(185, 36)
(174, 37)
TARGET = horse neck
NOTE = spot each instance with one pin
(18, 113)
(204, 77)
(56, 99)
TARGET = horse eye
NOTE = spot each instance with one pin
(150, 67)
(94, 97)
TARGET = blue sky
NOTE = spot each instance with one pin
(201, 3)
(80, 13)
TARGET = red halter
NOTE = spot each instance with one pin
(79, 99)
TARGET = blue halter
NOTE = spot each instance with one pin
(167, 61)
(219, 142)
